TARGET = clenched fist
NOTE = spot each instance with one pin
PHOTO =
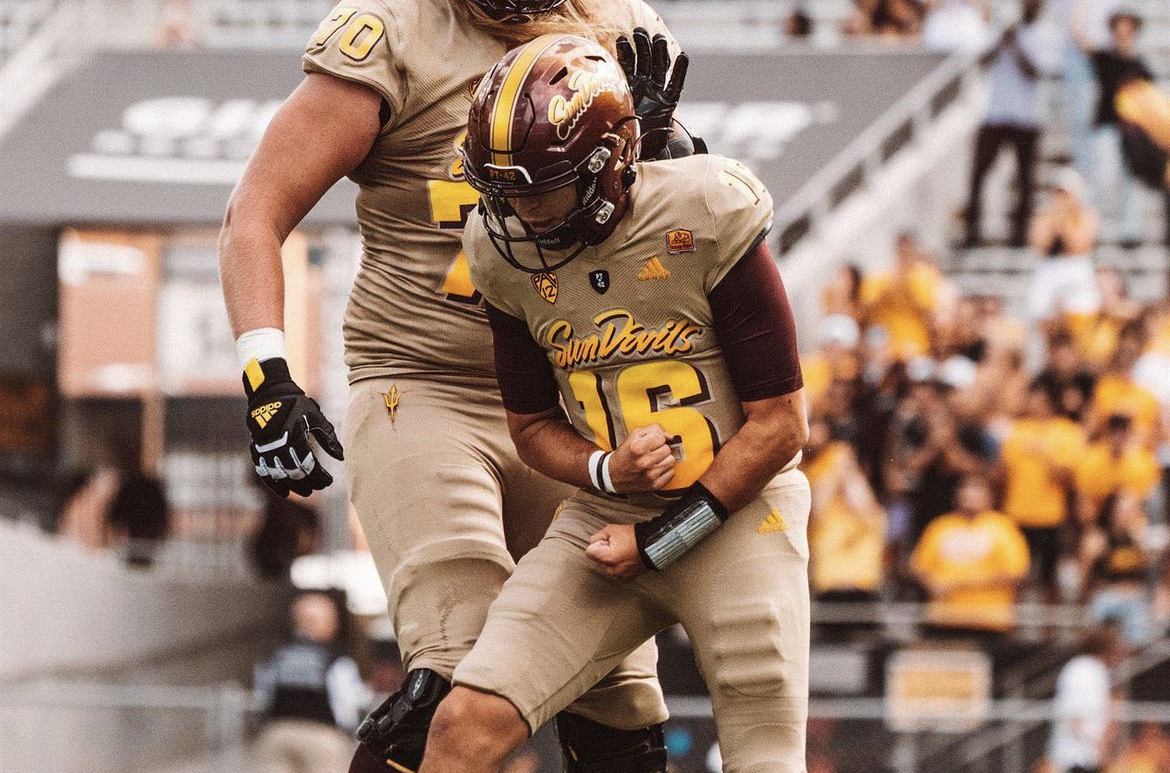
(643, 463)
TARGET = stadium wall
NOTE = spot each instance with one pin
(66, 610)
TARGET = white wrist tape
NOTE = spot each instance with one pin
(606, 482)
(595, 468)
(263, 343)
(599, 471)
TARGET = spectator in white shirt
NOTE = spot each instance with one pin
(1081, 709)
(1015, 114)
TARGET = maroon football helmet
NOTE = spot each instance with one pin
(553, 113)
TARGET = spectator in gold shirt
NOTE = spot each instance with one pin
(971, 561)
(904, 300)
(1038, 455)
(848, 526)
(1117, 463)
(1117, 393)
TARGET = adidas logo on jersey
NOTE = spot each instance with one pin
(772, 524)
(653, 270)
(264, 414)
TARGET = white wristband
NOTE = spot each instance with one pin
(595, 469)
(263, 343)
(606, 483)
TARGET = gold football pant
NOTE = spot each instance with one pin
(447, 507)
(741, 595)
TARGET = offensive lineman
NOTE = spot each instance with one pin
(644, 298)
(431, 472)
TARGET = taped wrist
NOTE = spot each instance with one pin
(599, 471)
(269, 376)
(262, 343)
(665, 538)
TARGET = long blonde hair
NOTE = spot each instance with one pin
(600, 20)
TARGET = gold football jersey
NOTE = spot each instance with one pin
(413, 308)
(627, 325)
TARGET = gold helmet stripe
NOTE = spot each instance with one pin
(505, 108)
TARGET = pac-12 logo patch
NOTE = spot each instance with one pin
(680, 240)
(599, 280)
(545, 284)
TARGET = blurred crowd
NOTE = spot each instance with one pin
(972, 458)
(941, 24)
(121, 509)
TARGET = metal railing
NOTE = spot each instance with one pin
(898, 619)
(904, 122)
(867, 721)
(127, 728)
(1007, 738)
(222, 716)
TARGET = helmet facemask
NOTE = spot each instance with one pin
(600, 181)
(517, 11)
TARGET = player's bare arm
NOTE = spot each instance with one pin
(775, 430)
(548, 443)
(304, 151)
(545, 439)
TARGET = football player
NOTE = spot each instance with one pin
(644, 299)
(431, 471)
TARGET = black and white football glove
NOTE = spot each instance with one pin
(281, 418)
(647, 64)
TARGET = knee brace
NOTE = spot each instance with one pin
(396, 732)
(590, 747)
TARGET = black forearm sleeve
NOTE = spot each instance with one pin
(755, 328)
(668, 537)
(524, 372)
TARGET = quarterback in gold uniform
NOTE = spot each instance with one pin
(642, 298)
(445, 503)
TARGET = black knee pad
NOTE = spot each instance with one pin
(590, 747)
(395, 733)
